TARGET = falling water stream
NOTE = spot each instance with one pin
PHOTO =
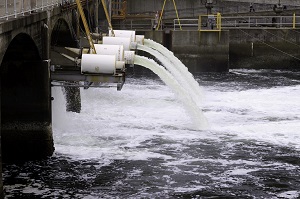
(184, 81)
(177, 64)
(193, 110)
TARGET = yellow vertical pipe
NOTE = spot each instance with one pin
(199, 23)
(219, 21)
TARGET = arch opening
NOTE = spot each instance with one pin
(25, 102)
(22, 84)
(62, 35)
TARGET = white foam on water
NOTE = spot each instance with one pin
(289, 194)
(113, 124)
(145, 121)
(271, 115)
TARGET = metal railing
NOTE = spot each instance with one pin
(15, 8)
(186, 24)
(203, 23)
(276, 21)
(261, 21)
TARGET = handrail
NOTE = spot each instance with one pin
(15, 8)
(277, 21)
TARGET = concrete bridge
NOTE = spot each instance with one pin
(30, 33)
(25, 43)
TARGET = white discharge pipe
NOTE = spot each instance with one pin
(118, 50)
(98, 64)
(124, 33)
(118, 41)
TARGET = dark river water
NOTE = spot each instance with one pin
(141, 142)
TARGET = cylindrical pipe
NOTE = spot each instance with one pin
(118, 41)
(117, 50)
(98, 64)
(124, 33)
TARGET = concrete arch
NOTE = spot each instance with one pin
(63, 34)
(25, 102)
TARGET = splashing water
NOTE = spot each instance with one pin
(184, 82)
(177, 64)
(193, 110)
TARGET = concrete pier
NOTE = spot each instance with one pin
(202, 51)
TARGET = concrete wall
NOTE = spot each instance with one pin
(202, 50)
(236, 48)
(192, 9)
(186, 8)
(264, 48)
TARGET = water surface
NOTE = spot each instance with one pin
(141, 143)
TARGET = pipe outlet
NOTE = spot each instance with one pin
(120, 65)
(129, 57)
(140, 39)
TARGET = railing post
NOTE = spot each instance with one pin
(219, 22)
(249, 22)
(22, 7)
(199, 23)
(174, 24)
(6, 10)
(294, 20)
(15, 8)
